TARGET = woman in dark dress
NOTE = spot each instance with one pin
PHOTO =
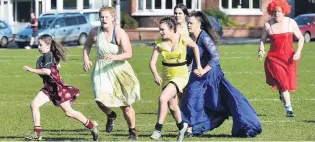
(210, 97)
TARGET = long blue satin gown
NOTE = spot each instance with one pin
(211, 99)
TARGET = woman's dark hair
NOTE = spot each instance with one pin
(170, 22)
(183, 8)
(206, 25)
(59, 52)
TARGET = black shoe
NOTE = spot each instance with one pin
(133, 135)
(290, 114)
(110, 124)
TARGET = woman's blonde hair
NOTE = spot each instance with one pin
(111, 10)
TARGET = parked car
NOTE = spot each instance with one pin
(306, 23)
(90, 14)
(63, 29)
(5, 34)
(216, 24)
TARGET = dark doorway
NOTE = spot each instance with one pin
(24, 10)
(304, 6)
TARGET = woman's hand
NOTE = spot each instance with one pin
(261, 54)
(27, 68)
(109, 57)
(199, 71)
(87, 65)
(158, 80)
(297, 56)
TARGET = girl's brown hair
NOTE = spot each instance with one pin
(206, 25)
(59, 52)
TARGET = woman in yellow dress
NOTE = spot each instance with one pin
(172, 47)
(113, 79)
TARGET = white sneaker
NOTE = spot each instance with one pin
(181, 133)
(156, 135)
(27, 47)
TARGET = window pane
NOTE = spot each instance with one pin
(140, 4)
(70, 4)
(148, 4)
(235, 3)
(158, 4)
(169, 4)
(86, 4)
(225, 4)
(188, 4)
(179, 1)
(256, 3)
(245, 4)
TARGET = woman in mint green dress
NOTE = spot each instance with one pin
(113, 80)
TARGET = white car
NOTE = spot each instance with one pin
(90, 14)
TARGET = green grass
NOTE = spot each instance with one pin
(239, 62)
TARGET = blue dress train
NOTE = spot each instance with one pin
(211, 99)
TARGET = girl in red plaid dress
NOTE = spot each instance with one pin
(55, 90)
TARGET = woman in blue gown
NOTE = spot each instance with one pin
(211, 98)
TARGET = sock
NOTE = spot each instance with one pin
(89, 124)
(158, 127)
(288, 107)
(37, 129)
(112, 115)
(180, 125)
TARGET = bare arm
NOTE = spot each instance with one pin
(194, 46)
(263, 38)
(125, 45)
(298, 35)
(153, 61)
(87, 48)
(89, 42)
(42, 71)
(35, 23)
(154, 57)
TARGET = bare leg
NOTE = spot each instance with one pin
(168, 93)
(286, 96)
(105, 109)
(32, 41)
(130, 115)
(66, 107)
(174, 108)
(38, 101)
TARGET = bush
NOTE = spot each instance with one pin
(224, 19)
(127, 22)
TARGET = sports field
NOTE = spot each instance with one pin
(239, 62)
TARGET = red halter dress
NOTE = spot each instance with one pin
(280, 68)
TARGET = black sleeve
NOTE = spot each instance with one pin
(47, 60)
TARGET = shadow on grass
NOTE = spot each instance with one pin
(64, 130)
(65, 139)
(215, 136)
(148, 113)
(309, 121)
(11, 137)
(261, 115)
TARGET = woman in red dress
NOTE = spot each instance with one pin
(55, 90)
(280, 63)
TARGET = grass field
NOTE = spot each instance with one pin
(239, 62)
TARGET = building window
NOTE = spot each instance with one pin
(70, 4)
(86, 4)
(53, 4)
(163, 7)
(241, 7)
